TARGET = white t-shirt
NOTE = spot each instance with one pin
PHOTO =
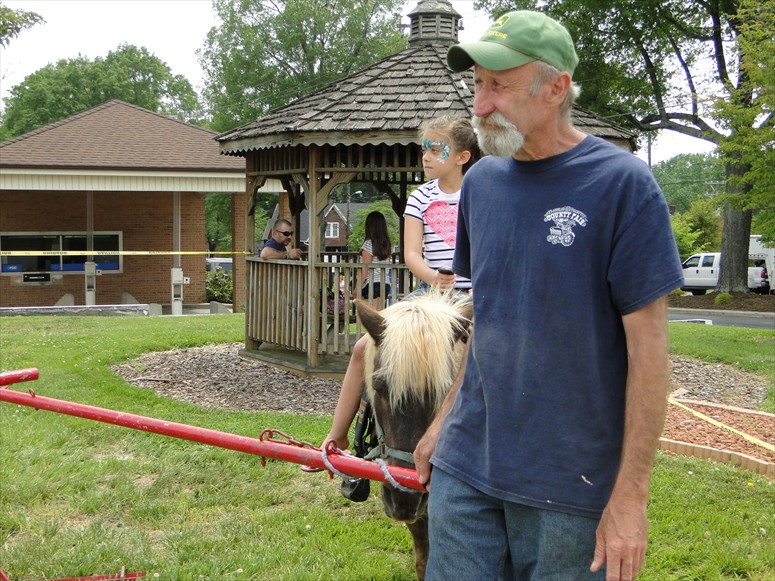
(438, 213)
(375, 274)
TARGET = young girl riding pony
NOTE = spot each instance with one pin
(430, 225)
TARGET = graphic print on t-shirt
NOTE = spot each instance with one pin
(564, 219)
(442, 219)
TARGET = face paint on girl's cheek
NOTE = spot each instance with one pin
(446, 150)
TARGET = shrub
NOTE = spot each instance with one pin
(723, 299)
(219, 286)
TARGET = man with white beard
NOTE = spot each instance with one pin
(543, 450)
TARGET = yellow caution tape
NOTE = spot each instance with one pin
(106, 252)
(748, 437)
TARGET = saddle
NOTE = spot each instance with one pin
(364, 440)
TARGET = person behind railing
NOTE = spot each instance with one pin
(376, 249)
(450, 148)
(276, 248)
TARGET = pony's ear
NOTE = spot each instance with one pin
(371, 319)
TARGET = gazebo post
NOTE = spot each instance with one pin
(313, 281)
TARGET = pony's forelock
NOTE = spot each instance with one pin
(418, 352)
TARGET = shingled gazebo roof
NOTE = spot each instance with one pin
(386, 102)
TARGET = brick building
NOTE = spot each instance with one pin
(115, 178)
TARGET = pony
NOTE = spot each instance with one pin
(413, 354)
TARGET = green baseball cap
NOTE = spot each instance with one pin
(516, 39)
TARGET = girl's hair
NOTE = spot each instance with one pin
(377, 232)
(459, 131)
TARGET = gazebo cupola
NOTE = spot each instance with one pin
(433, 22)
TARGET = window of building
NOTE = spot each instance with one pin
(58, 252)
(332, 230)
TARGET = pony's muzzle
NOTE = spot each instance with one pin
(405, 507)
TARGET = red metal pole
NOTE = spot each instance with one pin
(9, 377)
(266, 449)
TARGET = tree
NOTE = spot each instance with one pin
(218, 222)
(685, 237)
(129, 73)
(12, 22)
(672, 64)
(267, 53)
(704, 219)
(688, 177)
(358, 233)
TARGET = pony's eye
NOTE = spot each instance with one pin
(380, 386)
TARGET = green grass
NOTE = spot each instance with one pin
(79, 497)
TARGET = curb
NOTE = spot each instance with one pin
(743, 461)
(710, 312)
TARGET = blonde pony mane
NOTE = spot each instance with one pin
(420, 350)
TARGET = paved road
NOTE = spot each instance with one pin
(725, 318)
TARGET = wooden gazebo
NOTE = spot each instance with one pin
(363, 128)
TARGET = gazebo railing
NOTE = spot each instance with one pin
(276, 303)
(275, 307)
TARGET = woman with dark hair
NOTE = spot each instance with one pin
(376, 249)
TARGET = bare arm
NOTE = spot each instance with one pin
(621, 534)
(268, 253)
(413, 256)
(349, 397)
(427, 444)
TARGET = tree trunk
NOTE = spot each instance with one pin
(735, 237)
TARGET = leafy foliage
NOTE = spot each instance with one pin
(689, 177)
(265, 54)
(748, 115)
(219, 286)
(685, 236)
(358, 232)
(12, 22)
(218, 222)
(703, 217)
(71, 85)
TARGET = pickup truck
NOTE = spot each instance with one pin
(701, 274)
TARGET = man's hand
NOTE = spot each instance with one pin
(423, 452)
(294, 253)
(621, 541)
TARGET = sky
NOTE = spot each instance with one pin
(174, 30)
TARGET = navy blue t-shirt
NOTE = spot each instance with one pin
(557, 250)
(274, 244)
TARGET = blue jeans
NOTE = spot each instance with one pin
(474, 536)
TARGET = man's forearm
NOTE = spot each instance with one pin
(646, 399)
(622, 532)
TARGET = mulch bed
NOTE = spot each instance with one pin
(683, 426)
